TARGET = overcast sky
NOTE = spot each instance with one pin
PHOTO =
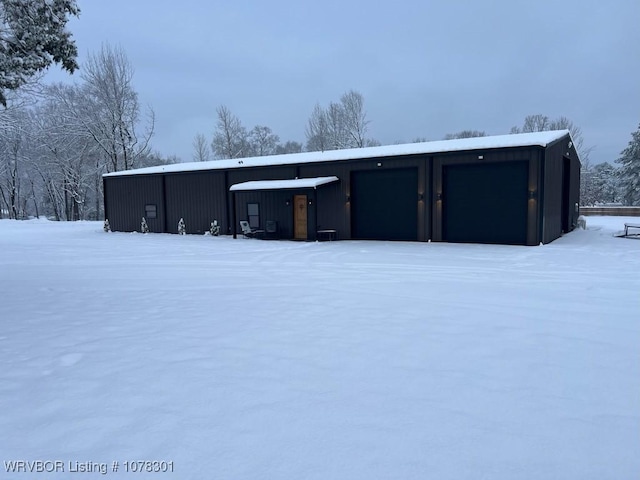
(425, 68)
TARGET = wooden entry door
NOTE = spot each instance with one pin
(300, 217)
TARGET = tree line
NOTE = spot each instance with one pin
(342, 124)
(56, 141)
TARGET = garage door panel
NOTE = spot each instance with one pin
(384, 204)
(485, 203)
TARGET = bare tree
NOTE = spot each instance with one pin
(338, 135)
(541, 123)
(200, 149)
(15, 150)
(152, 159)
(533, 123)
(465, 134)
(317, 130)
(563, 123)
(230, 137)
(262, 141)
(80, 126)
(11, 142)
(288, 147)
(354, 120)
(57, 141)
(342, 124)
(67, 161)
(114, 113)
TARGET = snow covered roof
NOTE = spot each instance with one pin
(541, 139)
(280, 184)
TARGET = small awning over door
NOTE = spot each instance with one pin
(282, 184)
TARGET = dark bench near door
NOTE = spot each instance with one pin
(326, 234)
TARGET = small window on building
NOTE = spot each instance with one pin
(150, 211)
(253, 215)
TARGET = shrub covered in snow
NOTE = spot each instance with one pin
(582, 222)
(182, 229)
(144, 228)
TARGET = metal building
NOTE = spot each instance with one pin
(512, 189)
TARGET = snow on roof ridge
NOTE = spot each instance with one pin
(541, 139)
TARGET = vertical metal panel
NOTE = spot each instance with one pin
(574, 195)
(554, 186)
(552, 197)
(436, 198)
(126, 197)
(198, 198)
(424, 200)
(332, 208)
(106, 197)
(164, 204)
(535, 193)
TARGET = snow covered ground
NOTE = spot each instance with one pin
(249, 359)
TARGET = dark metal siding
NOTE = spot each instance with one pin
(331, 208)
(574, 194)
(198, 197)
(126, 198)
(552, 221)
(261, 173)
(555, 184)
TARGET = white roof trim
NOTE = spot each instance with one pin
(541, 139)
(282, 184)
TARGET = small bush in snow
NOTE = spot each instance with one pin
(582, 222)
(107, 227)
(214, 229)
(144, 228)
(182, 229)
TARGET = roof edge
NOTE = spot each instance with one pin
(541, 139)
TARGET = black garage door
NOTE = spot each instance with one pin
(384, 204)
(485, 203)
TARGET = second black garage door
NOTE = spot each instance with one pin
(485, 203)
(384, 204)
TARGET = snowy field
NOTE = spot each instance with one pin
(250, 359)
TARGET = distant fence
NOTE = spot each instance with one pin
(611, 211)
